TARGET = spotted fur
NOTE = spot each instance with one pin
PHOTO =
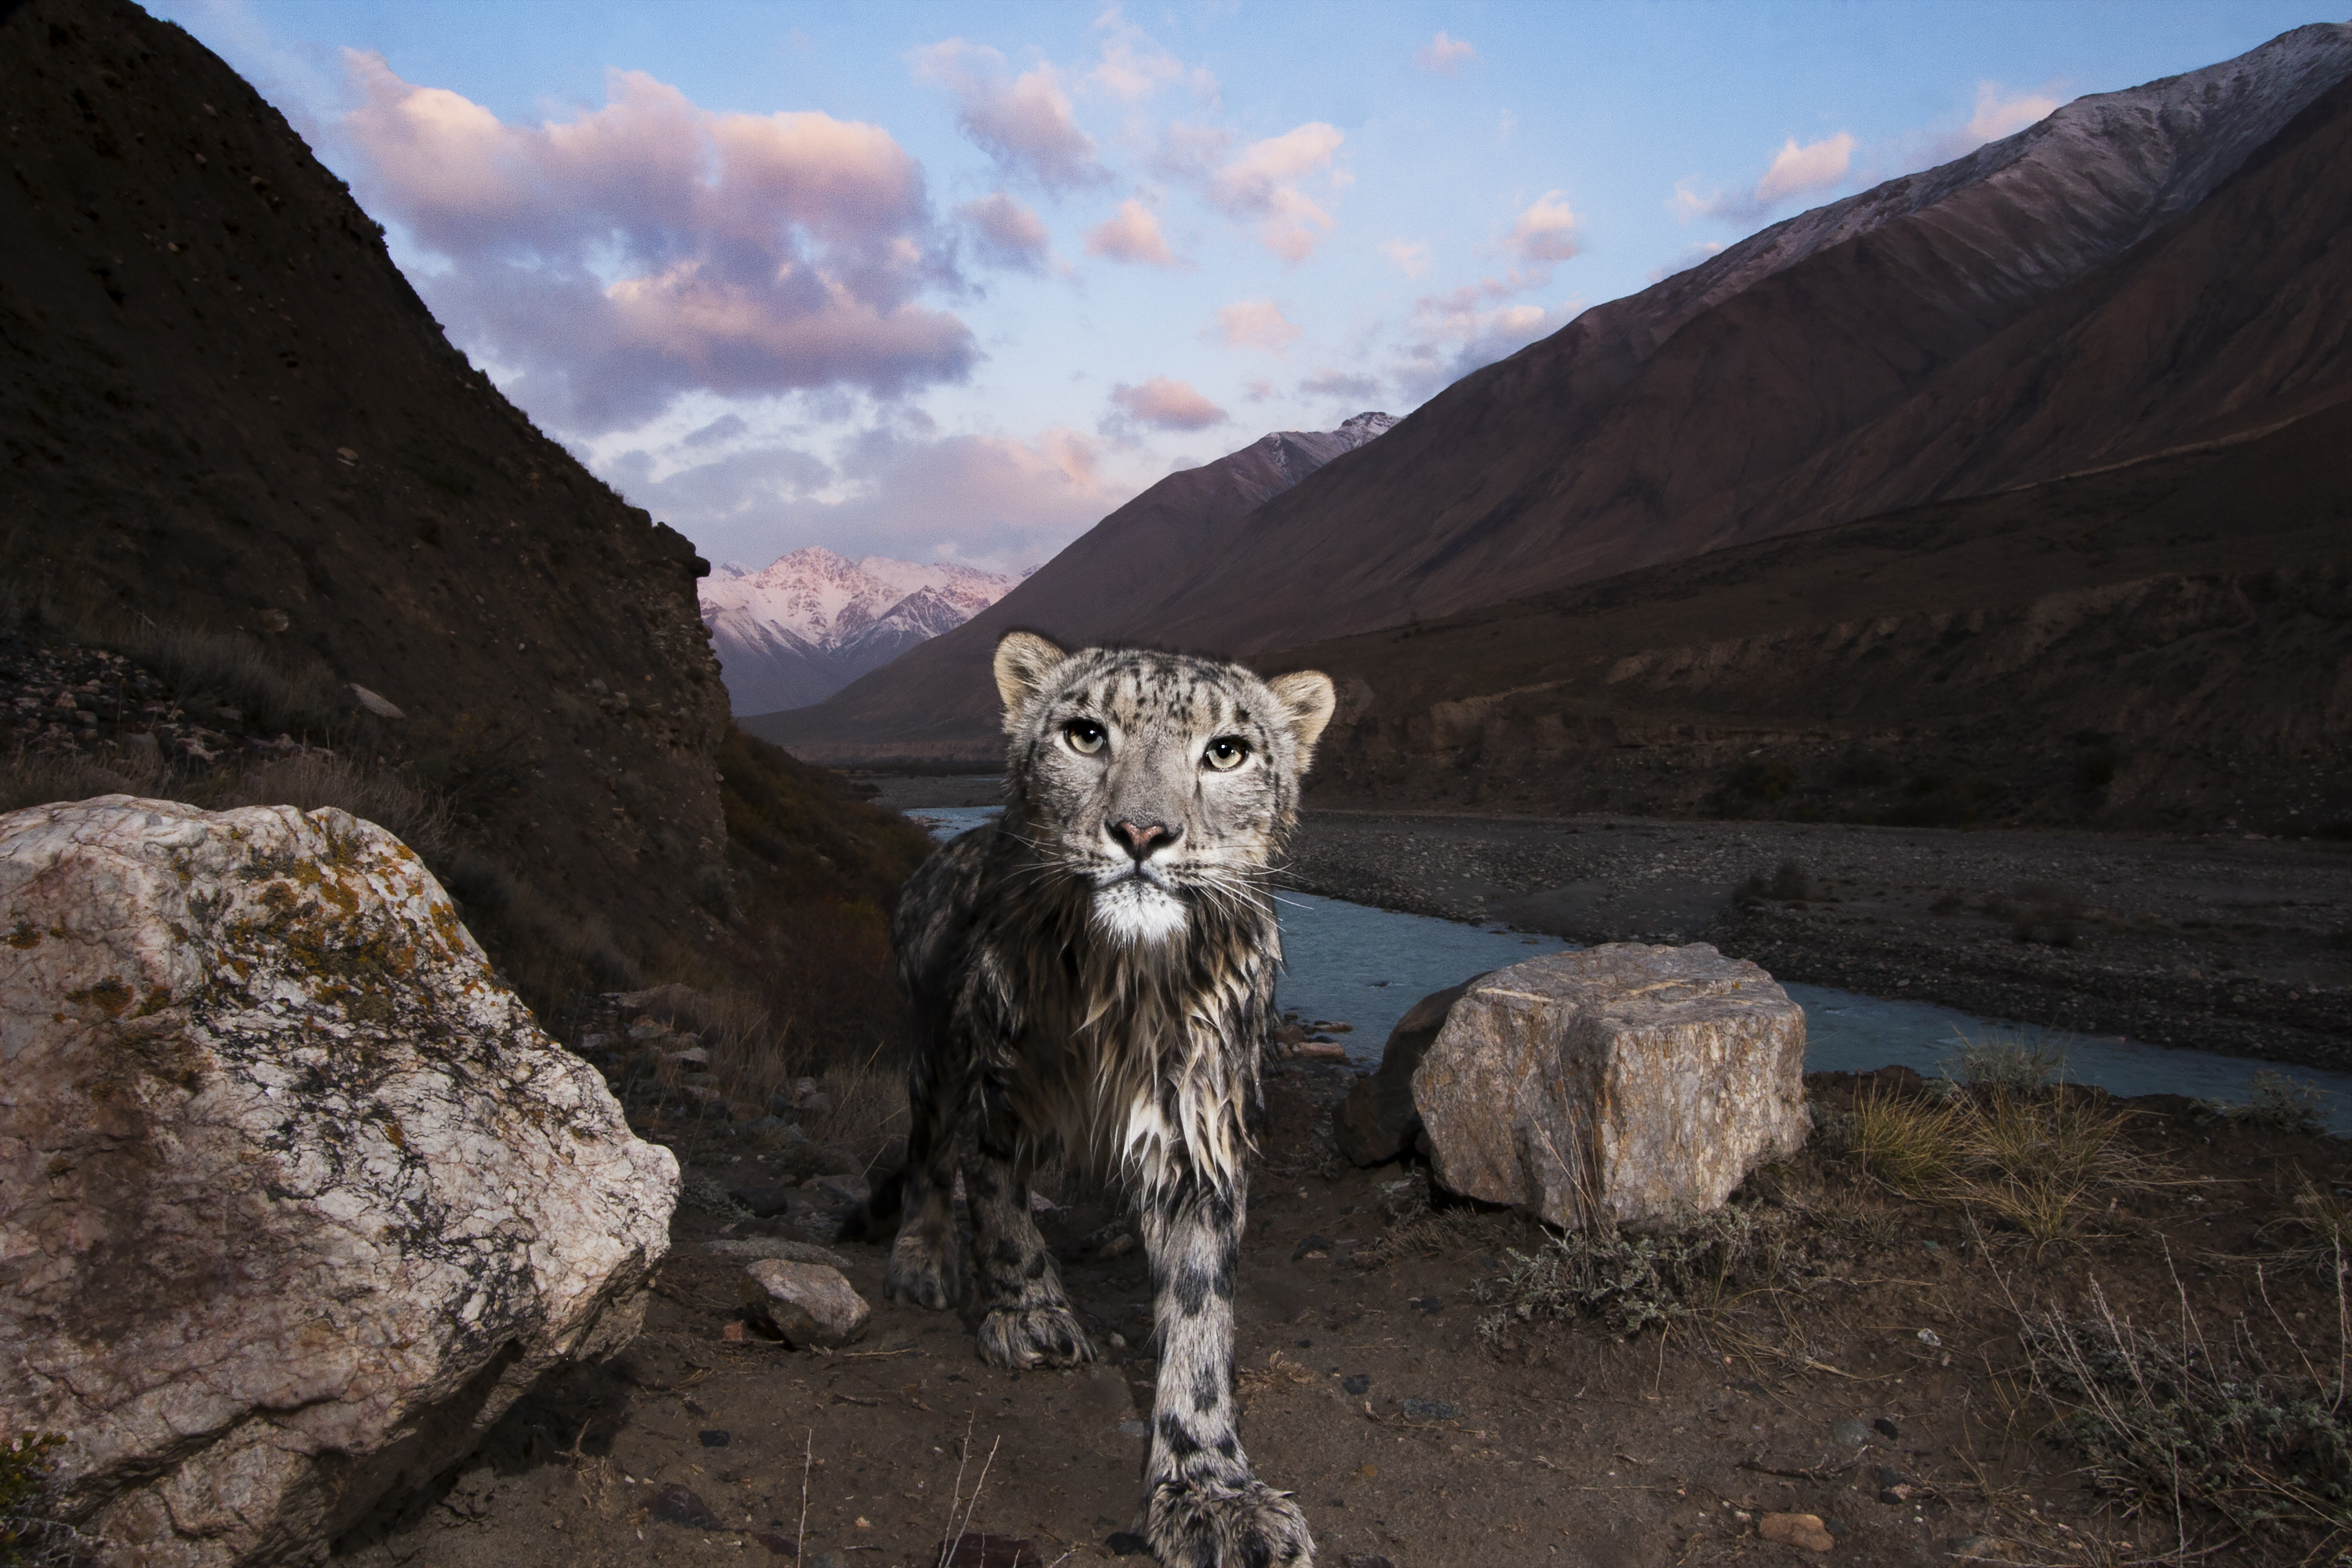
(1092, 979)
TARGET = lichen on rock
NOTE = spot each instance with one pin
(296, 1197)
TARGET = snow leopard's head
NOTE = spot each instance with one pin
(1163, 784)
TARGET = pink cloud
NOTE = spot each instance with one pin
(993, 502)
(1025, 123)
(1256, 324)
(1546, 231)
(1165, 404)
(1340, 383)
(650, 247)
(1263, 184)
(1442, 56)
(1410, 257)
(1795, 171)
(1006, 231)
(1131, 235)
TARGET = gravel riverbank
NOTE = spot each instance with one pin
(2236, 945)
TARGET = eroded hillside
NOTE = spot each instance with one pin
(235, 445)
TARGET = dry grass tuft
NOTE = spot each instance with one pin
(1630, 1283)
(2040, 1161)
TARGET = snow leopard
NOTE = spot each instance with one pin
(1091, 978)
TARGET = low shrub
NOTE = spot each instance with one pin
(2201, 1424)
(1632, 1282)
(2273, 1103)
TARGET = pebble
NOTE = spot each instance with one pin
(1804, 1530)
(714, 1438)
(1126, 1543)
(1846, 1429)
(1887, 1428)
(849, 1187)
(1311, 1246)
(1430, 1409)
(1362, 1382)
(806, 1303)
(675, 1504)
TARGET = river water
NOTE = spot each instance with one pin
(1364, 967)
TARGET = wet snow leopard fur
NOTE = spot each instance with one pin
(1092, 977)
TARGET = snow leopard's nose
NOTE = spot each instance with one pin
(1139, 839)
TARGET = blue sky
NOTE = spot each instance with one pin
(940, 281)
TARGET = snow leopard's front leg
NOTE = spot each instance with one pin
(1029, 1322)
(1203, 1506)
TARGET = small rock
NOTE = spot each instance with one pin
(732, 1332)
(1430, 1409)
(1361, 1383)
(775, 1246)
(1311, 1246)
(382, 707)
(766, 1202)
(1887, 1428)
(1898, 1494)
(1836, 1526)
(850, 1188)
(1377, 1121)
(1126, 1543)
(974, 1549)
(1846, 1429)
(714, 1438)
(1323, 1051)
(675, 1504)
(817, 1105)
(1889, 1477)
(1118, 1246)
(806, 1303)
(1928, 1337)
(694, 1058)
(1796, 1530)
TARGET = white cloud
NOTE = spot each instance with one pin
(1165, 403)
(1130, 235)
(1263, 184)
(1256, 324)
(1445, 57)
(1546, 231)
(1026, 122)
(1410, 257)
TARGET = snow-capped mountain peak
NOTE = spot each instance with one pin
(812, 621)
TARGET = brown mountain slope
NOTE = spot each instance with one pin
(936, 702)
(2164, 645)
(223, 412)
(2142, 271)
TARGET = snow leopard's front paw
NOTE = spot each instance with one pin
(1020, 1338)
(1205, 1524)
(925, 1270)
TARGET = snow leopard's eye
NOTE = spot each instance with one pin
(1225, 753)
(1086, 736)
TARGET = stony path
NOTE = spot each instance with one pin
(2240, 945)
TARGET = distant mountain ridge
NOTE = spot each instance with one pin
(812, 621)
(938, 700)
(2140, 272)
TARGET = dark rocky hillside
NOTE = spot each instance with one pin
(235, 446)
(2158, 645)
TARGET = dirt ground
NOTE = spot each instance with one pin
(1412, 1437)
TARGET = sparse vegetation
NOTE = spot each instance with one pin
(1789, 884)
(2181, 1422)
(2274, 1103)
(1632, 1282)
(2000, 1140)
(2048, 913)
(29, 1536)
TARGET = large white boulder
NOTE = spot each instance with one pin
(296, 1198)
(1626, 1083)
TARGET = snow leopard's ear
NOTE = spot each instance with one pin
(1024, 660)
(1306, 699)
